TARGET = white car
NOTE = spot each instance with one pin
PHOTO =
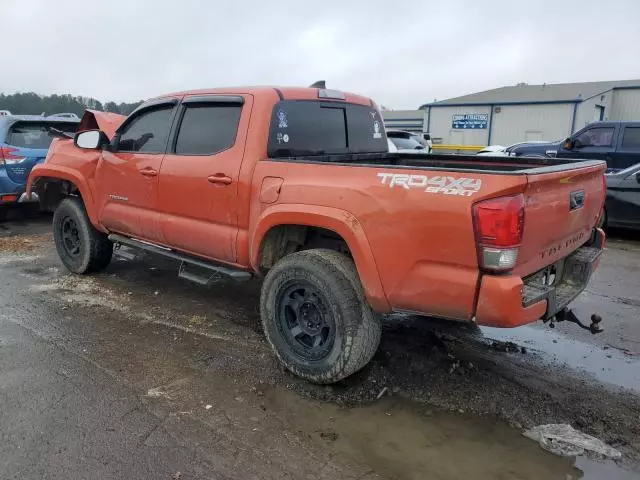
(5, 113)
(408, 142)
(501, 151)
(71, 116)
(495, 150)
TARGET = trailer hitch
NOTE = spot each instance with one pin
(567, 314)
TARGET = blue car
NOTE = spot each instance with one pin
(24, 142)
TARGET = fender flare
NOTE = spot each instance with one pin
(60, 172)
(337, 220)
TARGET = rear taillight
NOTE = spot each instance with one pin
(499, 223)
(8, 156)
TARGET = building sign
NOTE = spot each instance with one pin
(465, 121)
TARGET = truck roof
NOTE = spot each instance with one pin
(283, 93)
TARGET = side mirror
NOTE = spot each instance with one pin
(90, 139)
(568, 144)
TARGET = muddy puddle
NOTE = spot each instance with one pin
(400, 440)
(608, 365)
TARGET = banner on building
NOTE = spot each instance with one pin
(464, 121)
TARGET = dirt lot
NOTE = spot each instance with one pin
(158, 378)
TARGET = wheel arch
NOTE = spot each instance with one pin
(295, 218)
(52, 185)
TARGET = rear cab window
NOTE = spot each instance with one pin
(317, 128)
(36, 135)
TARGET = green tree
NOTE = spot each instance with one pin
(30, 103)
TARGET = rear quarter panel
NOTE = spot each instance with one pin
(422, 243)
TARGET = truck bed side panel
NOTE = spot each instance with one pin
(421, 233)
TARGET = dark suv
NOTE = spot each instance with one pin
(618, 143)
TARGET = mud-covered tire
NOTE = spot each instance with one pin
(81, 247)
(338, 298)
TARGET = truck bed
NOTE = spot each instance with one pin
(458, 163)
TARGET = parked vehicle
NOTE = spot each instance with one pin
(622, 207)
(409, 142)
(493, 150)
(296, 185)
(24, 141)
(502, 151)
(618, 143)
(426, 138)
(71, 116)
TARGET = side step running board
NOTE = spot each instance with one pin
(236, 274)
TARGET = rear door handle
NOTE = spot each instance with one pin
(148, 172)
(220, 179)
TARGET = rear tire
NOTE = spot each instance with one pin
(81, 247)
(316, 318)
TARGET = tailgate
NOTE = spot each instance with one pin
(561, 209)
(22, 161)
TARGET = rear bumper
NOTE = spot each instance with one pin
(9, 188)
(17, 197)
(512, 301)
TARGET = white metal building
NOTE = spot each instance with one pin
(523, 112)
(410, 120)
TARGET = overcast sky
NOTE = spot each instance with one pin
(401, 53)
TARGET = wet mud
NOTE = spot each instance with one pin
(439, 400)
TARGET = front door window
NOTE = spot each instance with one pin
(595, 137)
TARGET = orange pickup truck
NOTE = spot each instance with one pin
(297, 185)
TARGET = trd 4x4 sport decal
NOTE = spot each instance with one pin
(438, 184)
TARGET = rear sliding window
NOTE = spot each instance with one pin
(304, 128)
(36, 135)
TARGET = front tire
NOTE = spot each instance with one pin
(316, 318)
(81, 247)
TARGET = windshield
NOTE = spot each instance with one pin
(406, 143)
(36, 134)
(303, 127)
